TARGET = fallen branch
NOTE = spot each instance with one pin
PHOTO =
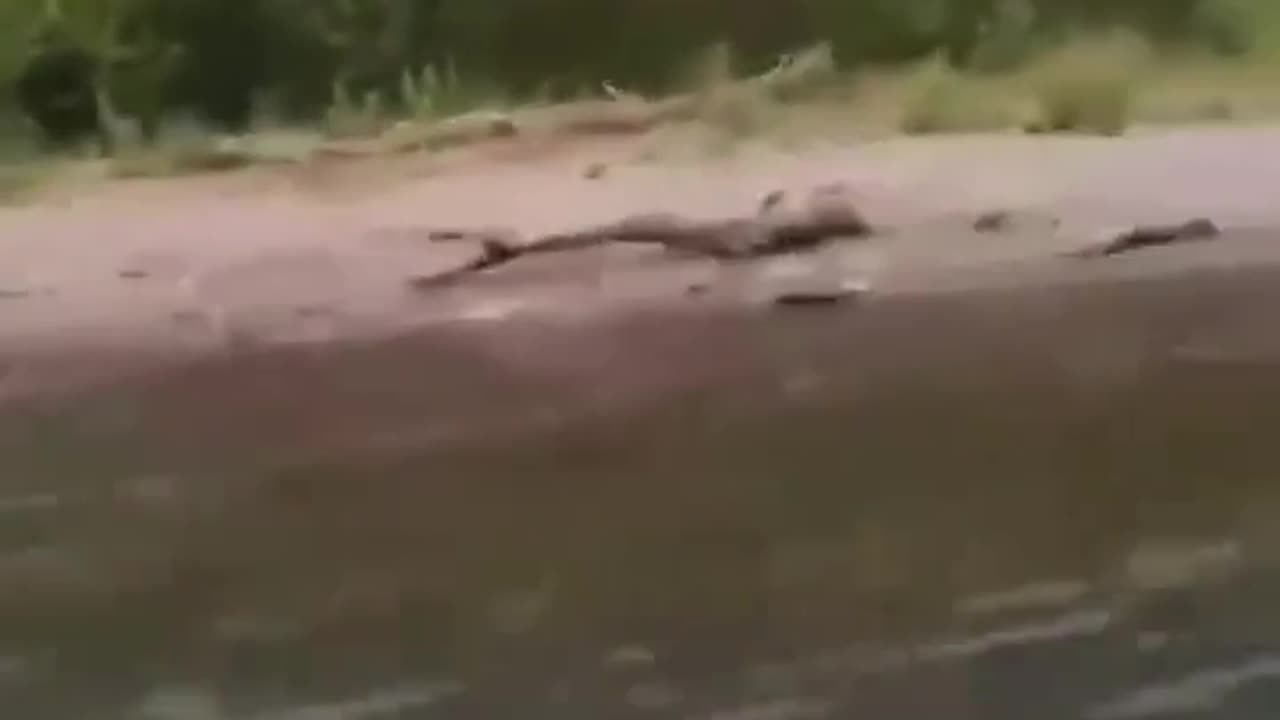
(829, 215)
(493, 254)
(1148, 236)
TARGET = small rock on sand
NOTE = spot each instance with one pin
(772, 201)
(991, 221)
(842, 293)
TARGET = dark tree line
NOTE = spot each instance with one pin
(214, 58)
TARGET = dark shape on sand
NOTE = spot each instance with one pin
(1148, 236)
(497, 234)
(816, 298)
(772, 201)
(494, 252)
(991, 221)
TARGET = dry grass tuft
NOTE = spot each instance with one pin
(1089, 85)
(940, 99)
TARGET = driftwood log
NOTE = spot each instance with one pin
(1148, 236)
(828, 214)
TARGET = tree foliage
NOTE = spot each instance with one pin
(214, 57)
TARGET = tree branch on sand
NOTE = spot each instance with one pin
(828, 215)
(1149, 236)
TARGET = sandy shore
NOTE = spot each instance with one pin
(323, 252)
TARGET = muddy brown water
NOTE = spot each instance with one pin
(1039, 500)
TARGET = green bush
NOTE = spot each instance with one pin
(942, 99)
(1088, 85)
(347, 117)
(432, 94)
(192, 156)
(424, 58)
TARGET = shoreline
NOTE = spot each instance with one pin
(192, 272)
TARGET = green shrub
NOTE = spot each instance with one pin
(347, 117)
(432, 94)
(1232, 27)
(738, 111)
(1088, 85)
(215, 55)
(181, 156)
(941, 99)
(734, 109)
(709, 69)
(803, 75)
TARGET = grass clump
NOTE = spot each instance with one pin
(348, 117)
(1088, 86)
(18, 181)
(432, 94)
(184, 160)
(183, 153)
(708, 71)
(738, 112)
(940, 99)
(732, 109)
(803, 75)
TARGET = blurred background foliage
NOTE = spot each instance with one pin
(224, 60)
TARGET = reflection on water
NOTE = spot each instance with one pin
(1206, 690)
(1053, 593)
(994, 551)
